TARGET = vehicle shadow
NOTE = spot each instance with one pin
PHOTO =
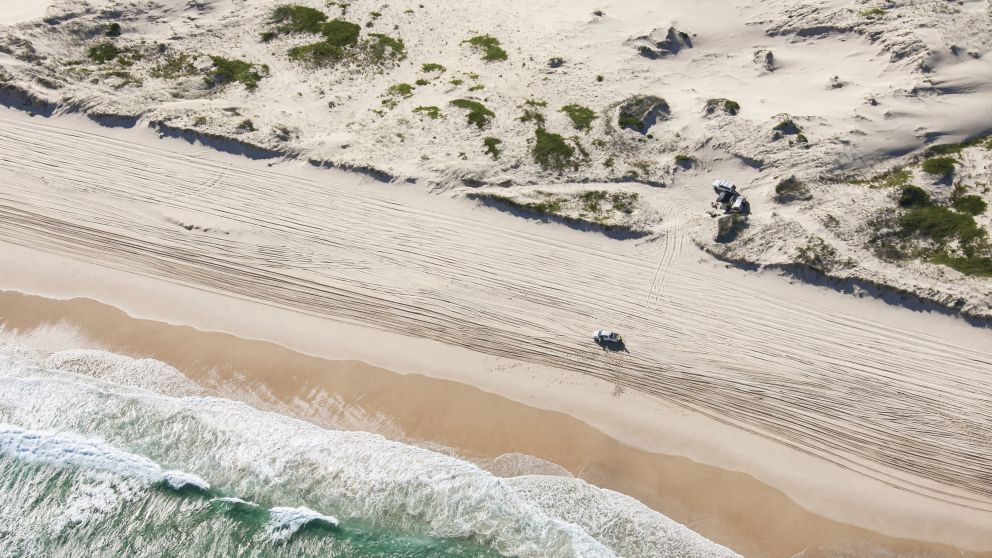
(613, 347)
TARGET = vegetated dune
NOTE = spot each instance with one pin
(462, 94)
(884, 400)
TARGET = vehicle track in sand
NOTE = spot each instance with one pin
(905, 408)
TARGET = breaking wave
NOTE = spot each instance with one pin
(109, 462)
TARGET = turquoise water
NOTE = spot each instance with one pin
(90, 467)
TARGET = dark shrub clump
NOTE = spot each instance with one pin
(914, 196)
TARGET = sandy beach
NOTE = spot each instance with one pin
(865, 415)
(728, 507)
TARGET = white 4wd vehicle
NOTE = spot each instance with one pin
(602, 336)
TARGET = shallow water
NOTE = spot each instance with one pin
(97, 468)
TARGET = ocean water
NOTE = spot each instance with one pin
(103, 455)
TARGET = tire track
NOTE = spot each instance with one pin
(893, 404)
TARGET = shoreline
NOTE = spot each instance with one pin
(730, 508)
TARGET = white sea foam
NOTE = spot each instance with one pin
(67, 450)
(355, 474)
(286, 522)
(178, 480)
(623, 523)
(236, 502)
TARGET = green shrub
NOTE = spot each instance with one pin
(432, 67)
(318, 54)
(489, 46)
(941, 224)
(552, 152)
(972, 205)
(477, 87)
(175, 66)
(246, 125)
(103, 52)
(979, 266)
(536, 103)
(492, 146)
(944, 149)
(872, 13)
(592, 200)
(939, 166)
(401, 89)
(685, 161)
(297, 19)
(456, 82)
(478, 114)
(914, 196)
(787, 127)
(230, 70)
(340, 33)
(819, 255)
(113, 30)
(581, 116)
(383, 48)
(421, 82)
(532, 116)
(728, 106)
(624, 202)
(791, 189)
(430, 111)
(628, 121)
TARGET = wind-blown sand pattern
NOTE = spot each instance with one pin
(890, 403)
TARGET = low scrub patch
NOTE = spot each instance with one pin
(103, 52)
(914, 196)
(340, 33)
(293, 18)
(531, 115)
(342, 44)
(939, 166)
(941, 224)
(600, 208)
(431, 112)
(788, 127)
(492, 146)
(791, 189)
(432, 67)
(970, 204)
(489, 46)
(819, 255)
(175, 66)
(725, 105)
(640, 112)
(227, 70)
(478, 114)
(872, 13)
(554, 153)
(402, 90)
(581, 116)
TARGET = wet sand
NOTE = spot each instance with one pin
(728, 507)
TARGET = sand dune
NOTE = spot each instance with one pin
(890, 395)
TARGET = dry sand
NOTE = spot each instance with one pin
(14, 11)
(857, 411)
(730, 508)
